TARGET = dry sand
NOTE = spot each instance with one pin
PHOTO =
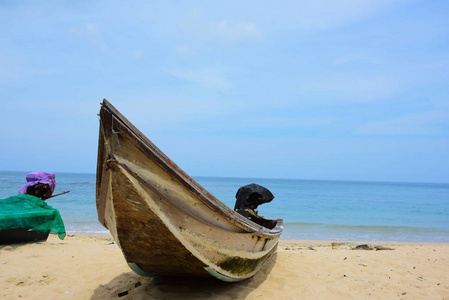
(93, 267)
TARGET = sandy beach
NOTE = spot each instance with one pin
(93, 267)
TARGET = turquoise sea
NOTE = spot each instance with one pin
(312, 209)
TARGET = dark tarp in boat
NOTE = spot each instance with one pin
(251, 196)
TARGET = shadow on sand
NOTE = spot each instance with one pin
(132, 286)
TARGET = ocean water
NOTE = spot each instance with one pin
(311, 209)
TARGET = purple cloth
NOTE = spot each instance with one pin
(34, 178)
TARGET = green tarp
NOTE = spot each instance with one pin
(26, 211)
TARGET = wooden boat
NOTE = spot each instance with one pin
(165, 222)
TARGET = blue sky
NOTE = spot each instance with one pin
(345, 90)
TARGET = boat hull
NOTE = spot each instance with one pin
(164, 222)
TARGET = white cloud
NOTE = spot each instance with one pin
(16, 67)
(278, 122)
(90, 32)
(324, 14)
(356, 59)
(351, 88)
(214, 24)
(244, 20)
(235, 31)
(185, 51)
(422, 123)
(9, 69)
(155, 112)
(272, 16)
(138, 54)
(209, 78)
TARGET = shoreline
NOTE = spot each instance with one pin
(301, 241)
(91, 266)
(388, 243)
